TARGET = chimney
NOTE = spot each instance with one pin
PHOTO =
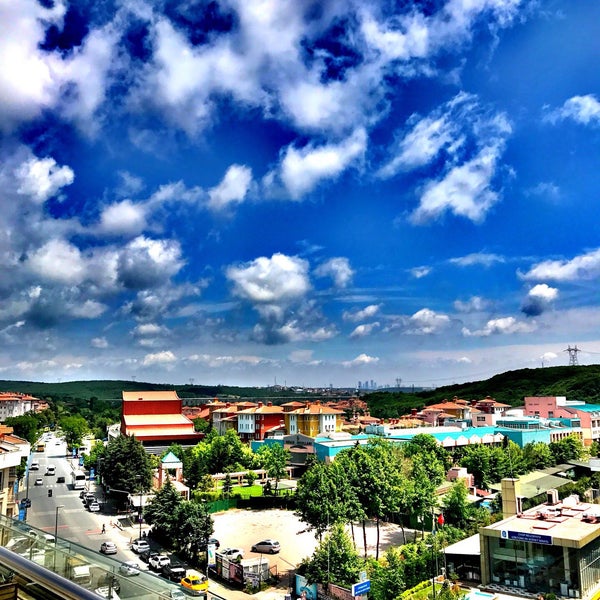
(259, 405)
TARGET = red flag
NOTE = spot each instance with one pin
(440, 519)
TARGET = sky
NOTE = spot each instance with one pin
(304, 193)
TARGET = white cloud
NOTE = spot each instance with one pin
(99, 342)
(270, 280)
(473, 304)
(164, 358)
(302, 169)
(364, 329)
(501, 326)
(148, 329)
(465, 191)
(477, 258)
(581, 109)
(42, 178)
(544, 292)
(583, 267)
(58, 261)
(338, 269)
(124, 217)
(426, 321)
(420, 272)
(233, 188)
(88, 309)
(549, 356)
(538, 299)
(360, 315)
(361, 359)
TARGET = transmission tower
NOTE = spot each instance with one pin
(573, 362)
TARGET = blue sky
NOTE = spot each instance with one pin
(302, 193)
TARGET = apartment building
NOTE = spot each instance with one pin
(12, 450)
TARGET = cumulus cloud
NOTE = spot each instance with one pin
(233, 188)
(164, 358)
(420, 272)
(364, 329)
(426, 321)
(581, 109)
(538, 300)
(360, 315)
(123, 218)
(58, 261)
(270, 280)
(583, 267)
(99, 342)
(501, 326)
(145, 262)
(302, 169)
(338, 269)
(41, 178)
(361, 359)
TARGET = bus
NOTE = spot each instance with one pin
(78, 480)
(40, 447)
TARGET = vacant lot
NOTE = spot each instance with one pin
(243, 528)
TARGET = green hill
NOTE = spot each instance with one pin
(576, 383)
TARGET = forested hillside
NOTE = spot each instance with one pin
(576, 383)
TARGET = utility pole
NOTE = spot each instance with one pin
(573, 362)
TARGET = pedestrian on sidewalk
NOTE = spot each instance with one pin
(103, 528)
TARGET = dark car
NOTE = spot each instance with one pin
(146, 554)
(60, 480)
(211, 541)
(174, 572)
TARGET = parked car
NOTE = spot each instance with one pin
(177, 595)
(39, 481)
(232, 553)
(140, 546)
(158, 561)
(266, 546)
(211, 541)
(107, 592)
(130, 568)
(146, 555)
(195, 584)
(108, 548)
(94, 507)
(60, 479)
(174, 572)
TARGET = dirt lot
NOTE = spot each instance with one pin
(242, 528)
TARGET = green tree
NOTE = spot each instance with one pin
(274, 460)
(250, 477)
(569, 448)
(162, 513)
(202, 425)
(227, 452)
(74, 429)
(126, 466)
(335, 560)
(194, 526)
(227, 487)
(25, 426)
(457, 510)
(537, 455)
(387, 576)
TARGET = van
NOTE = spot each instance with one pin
(50, 470)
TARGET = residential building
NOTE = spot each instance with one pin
(312, 419)
(13, 404)
(156, 420)
(257, 422)
(12, 450)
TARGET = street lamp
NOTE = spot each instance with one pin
(140, 515)
(56, 533)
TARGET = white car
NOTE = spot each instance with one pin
(158, 561)
(232, 553)
(106, 592)
(94, 507)
(140, 546)
(130, 568)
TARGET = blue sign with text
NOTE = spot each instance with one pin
(523, 536)
(358, 589)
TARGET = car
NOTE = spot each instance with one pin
(140, 546)
(89, 497)
(213, 541)
(174, 572)
(232, 553)
(195, 584)
(158, 561)
(39, 481)
(35, 466)
(108, 548)
(146, 555)
(60, 479)
(266, 546)
(130, 568)
(107, 592)
(94, 507)
(177, 595)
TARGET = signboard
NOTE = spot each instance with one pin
(523, 536)
(358, 589)
(210, 555)
(92, 474)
